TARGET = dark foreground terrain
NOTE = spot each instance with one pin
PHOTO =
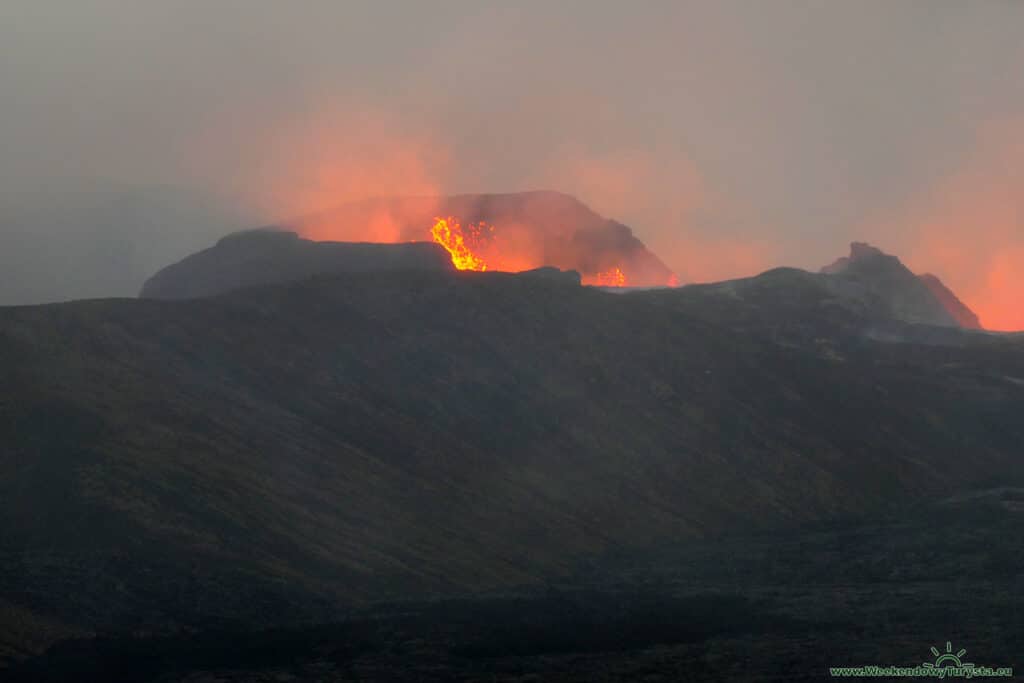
(437, 475)
(770, 607)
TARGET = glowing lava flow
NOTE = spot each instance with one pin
(448, 233)
(468, 246)
(612, 277)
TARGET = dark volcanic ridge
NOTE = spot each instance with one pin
(912, 298)
(268, 256)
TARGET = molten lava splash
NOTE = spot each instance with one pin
(612, 277)
(449, 234)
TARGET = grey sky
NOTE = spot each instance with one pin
(730, 135)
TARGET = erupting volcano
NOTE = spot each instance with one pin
(504, 232)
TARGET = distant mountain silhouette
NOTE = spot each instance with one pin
(909, 297)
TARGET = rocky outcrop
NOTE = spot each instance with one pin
(908, 297)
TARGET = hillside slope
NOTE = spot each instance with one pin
(281, 452)
(963, 315)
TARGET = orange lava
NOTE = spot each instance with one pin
(613, 277)
(474, 247)
(449, 234)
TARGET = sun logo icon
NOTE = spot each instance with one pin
(947, 659)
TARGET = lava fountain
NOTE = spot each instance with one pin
(461, 244)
